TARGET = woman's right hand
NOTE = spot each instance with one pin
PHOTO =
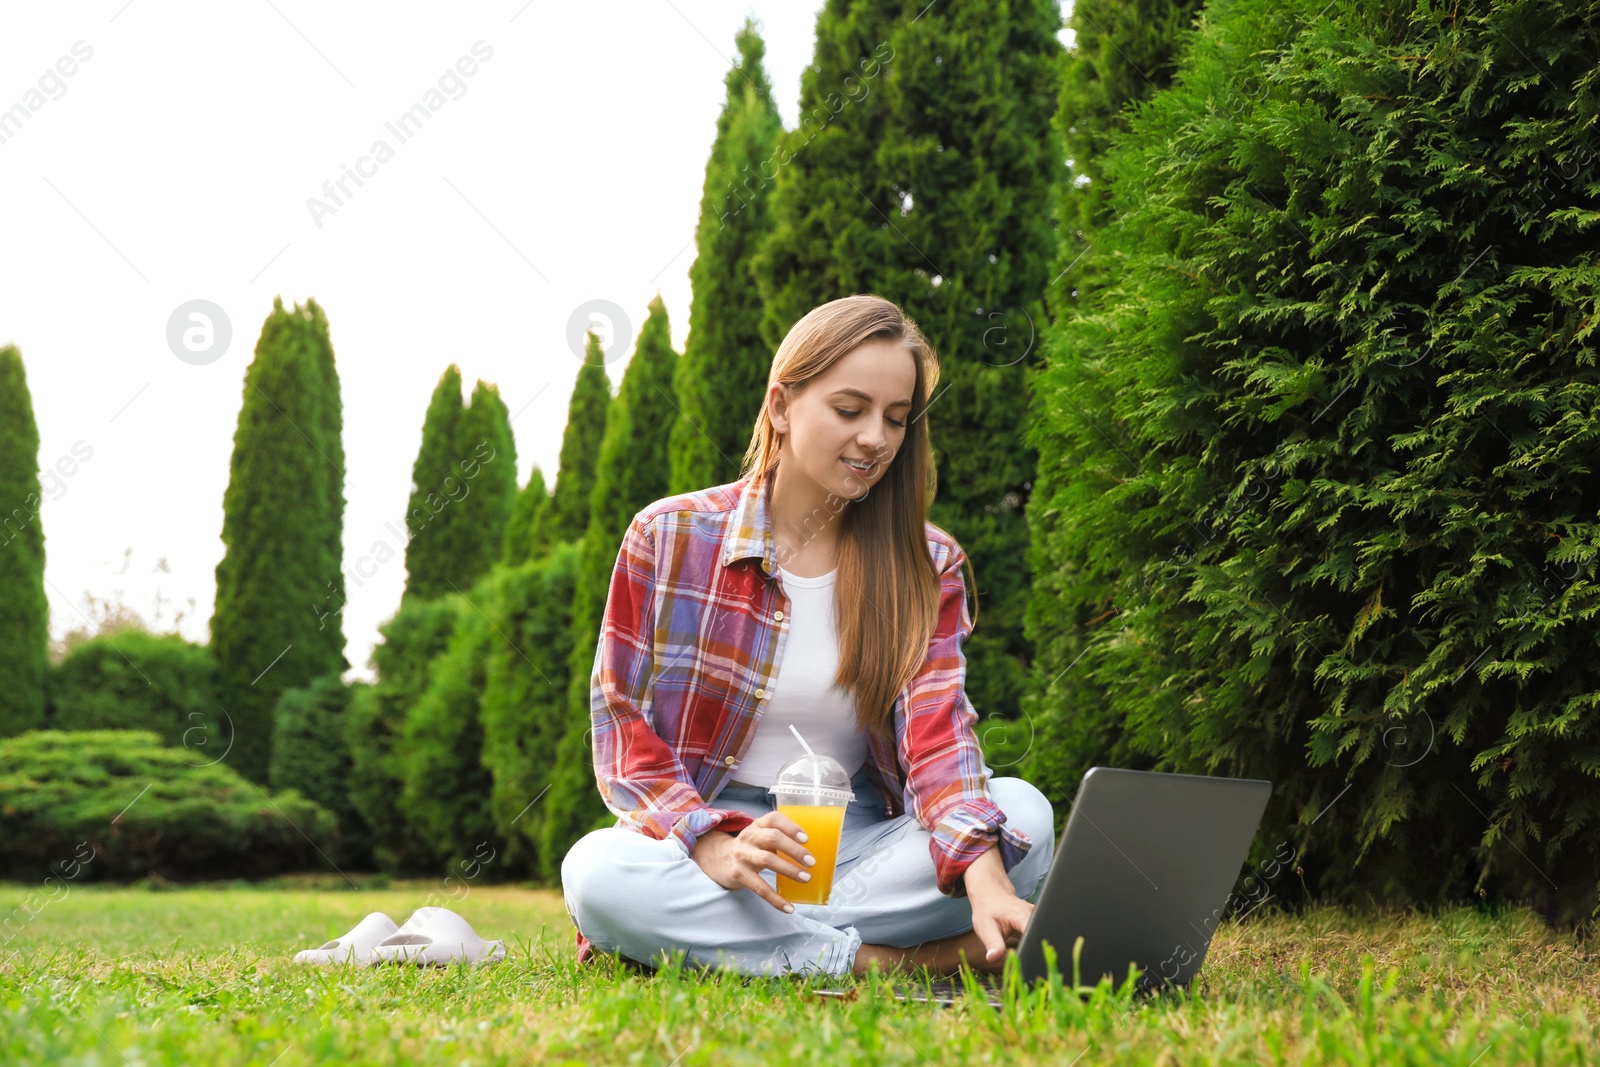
(735, 861)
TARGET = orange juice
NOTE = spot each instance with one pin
(823, 825)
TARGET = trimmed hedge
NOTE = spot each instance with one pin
(144, 808)
(412, 638)
(310, 754)
(444, 787)
(524, 699)
(138, 681)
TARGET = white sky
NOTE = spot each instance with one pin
(175, 164)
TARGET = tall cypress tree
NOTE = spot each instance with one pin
(632, 473)
(24, 611)
(283, 519)
(489, 465)
(435, 482)
(518, 544)
(566, 516)
(1326, 513)
(921, 171)
(723, 373)
(1123, 51)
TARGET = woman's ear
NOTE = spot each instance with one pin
(778, 407)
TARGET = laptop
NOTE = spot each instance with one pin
(1142, 873)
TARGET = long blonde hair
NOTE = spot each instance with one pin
(886, 596)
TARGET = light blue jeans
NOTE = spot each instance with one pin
(632, 894)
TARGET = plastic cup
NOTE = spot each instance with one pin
(814, 791)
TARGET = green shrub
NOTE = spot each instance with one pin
(139, 681)
(145, 808)
(524, 695)
(416, 634)
(444, 788)
(310, 754)
(1317, 500)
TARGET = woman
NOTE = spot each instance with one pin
(812, 592)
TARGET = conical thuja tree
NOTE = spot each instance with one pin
(463, 485)
(921, 171)
(1123, 52)
(24, 611)
(566, 516)
(632, 473)
(433, 547)
(723, 373)
(1326, 513)
(517, 546)
(489, 468)
(283, 517)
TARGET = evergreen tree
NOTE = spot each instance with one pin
(566, 516)
(722, 376)
(490, 471)
(283, 519)
(433, 550)
(518, 545)
(1320, 507)
(921, 171)
(1123, 51)
(632, 474)
(24, 611)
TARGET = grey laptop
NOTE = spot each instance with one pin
(1142, 872)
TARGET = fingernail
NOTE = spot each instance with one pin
(811, 861)
(788, 907)
(805, 876)
(803, 837)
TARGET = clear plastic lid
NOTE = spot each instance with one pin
(809, 779)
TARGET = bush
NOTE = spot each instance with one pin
(525, 695)
(444, 793)
(137, 681)
(1316, 499)
(416, 634)
(144, 808)
(310, 754)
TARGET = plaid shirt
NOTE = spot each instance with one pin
(689, 650)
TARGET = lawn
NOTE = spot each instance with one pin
(136, 975)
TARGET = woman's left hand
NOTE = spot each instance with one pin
(999, 916)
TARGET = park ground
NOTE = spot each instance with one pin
(202, 974)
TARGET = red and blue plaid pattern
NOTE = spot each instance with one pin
(692, 637)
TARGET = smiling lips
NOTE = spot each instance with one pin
(863, 469)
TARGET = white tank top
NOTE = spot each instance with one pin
(804, 693)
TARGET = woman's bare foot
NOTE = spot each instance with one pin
(942, 957)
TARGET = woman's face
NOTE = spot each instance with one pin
(856, 412)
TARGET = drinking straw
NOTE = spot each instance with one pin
(816, 764)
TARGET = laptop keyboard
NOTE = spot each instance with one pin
(946, 988)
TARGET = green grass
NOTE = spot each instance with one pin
(202, 975)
